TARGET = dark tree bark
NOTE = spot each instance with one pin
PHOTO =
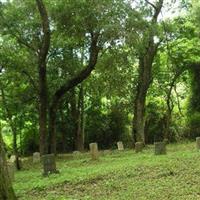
(170, 106)
(74, 113)
(63, 131)
(146, 58)
(80, 123)
(6, 190)
(74, 81)
(42, 57)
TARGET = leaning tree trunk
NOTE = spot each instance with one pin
(70, 84)
(6, 190)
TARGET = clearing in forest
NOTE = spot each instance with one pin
(117, 175)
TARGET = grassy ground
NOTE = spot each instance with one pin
(117, 175)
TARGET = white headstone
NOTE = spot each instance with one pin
(12, 159)
(94, 151)
(36, 157)
(120, 146)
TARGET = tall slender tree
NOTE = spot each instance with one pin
(146, 58)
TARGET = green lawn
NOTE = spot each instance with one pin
(119, 175)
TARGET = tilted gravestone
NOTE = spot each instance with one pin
(11, 170)
(160, 148)
(139, 147)
(94, 151)
(49, 164)
(36, 157)
(120, 146)
(198, 143)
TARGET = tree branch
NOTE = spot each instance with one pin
(32, 82)
(151, 4)
(157, 10)
(82, 75)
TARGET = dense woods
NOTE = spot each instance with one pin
(74, 72)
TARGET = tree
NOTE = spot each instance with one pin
(6, 190)
(146, 57)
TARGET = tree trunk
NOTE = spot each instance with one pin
(52, 131)
(167, 122)
(6, 190)
(42, 108)
(70, 84)
(42, 56)
(146, 58)
(63, 126)
(80, 123)
(15, 149)
(170, 106)
(75, 116)
(145, 68)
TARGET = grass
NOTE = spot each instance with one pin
(118, 175)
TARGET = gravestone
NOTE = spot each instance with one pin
(49, 164)
(139, 146)
(160, 148)
(120, 146)
(198, 143)
(36, 157)
(107, 151)
(94, 151)
(11, 170)
(77, 154)
(12, 159)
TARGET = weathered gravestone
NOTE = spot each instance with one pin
(160, 148)
(107, 151)
(198, 143)
(94, 151)
(49, 164)
(120, 146)
(77, 154)
(36, 157)
(139, 146)
(14, 160)
(11, 170)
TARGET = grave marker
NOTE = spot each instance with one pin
(94, 151)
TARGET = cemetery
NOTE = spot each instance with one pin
(99, 99)
(116, 174)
